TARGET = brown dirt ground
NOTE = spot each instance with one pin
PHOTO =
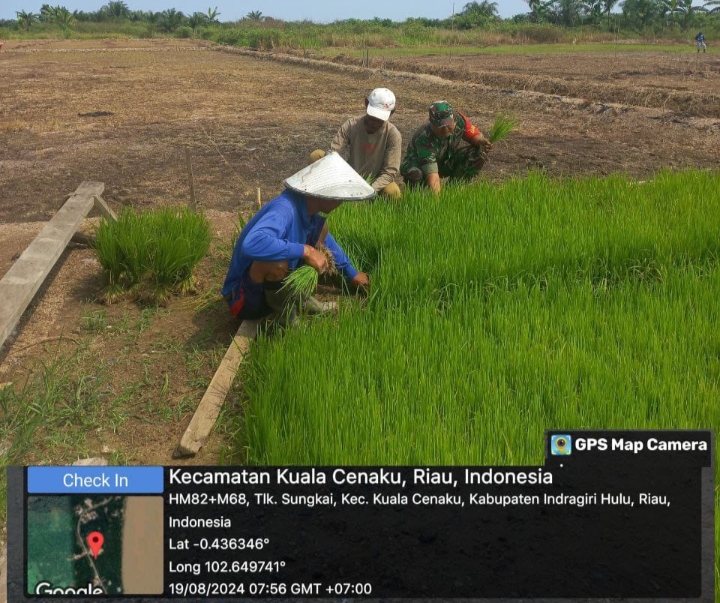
(123, 113)
(686, 83)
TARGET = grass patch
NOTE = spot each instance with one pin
(55, 406)
(94, 321)
(152, 253)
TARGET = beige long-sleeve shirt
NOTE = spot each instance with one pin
(376, 155)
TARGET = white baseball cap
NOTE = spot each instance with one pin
(381, 103)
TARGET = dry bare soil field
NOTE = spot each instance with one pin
(124, 112)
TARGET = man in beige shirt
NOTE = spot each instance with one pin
(373, 143)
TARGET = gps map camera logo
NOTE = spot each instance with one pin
(560, 445)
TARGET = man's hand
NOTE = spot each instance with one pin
(433, 182)
(361, 280)
(316, 154)
(479, 140)
(315, 258)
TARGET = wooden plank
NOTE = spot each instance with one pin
(209, 408)
(104, 209)
(21, 282)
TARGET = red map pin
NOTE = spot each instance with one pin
(95, 541)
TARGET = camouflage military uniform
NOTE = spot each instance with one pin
(449, 157)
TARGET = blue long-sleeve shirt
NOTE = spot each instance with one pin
(279, 231)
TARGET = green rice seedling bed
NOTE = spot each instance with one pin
(498, 312)
(153, 253)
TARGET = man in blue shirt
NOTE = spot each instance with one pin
(286, 232)
(700, 39)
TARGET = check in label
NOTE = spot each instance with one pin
(95, 480)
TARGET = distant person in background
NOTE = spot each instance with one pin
(373, 144)
(449, 145)
(700, 39)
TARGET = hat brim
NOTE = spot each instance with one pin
(383, 114)
(330, 194)
(441, 123)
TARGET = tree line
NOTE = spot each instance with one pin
(632, 14)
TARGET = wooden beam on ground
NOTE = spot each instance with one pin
(21, 282)
(104, 209)
(209, 408)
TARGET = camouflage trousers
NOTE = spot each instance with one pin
(462, 163)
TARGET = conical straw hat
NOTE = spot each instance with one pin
(330, 178)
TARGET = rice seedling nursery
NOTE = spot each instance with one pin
(151, 253)
(504, 311)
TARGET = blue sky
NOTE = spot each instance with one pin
(290, 10)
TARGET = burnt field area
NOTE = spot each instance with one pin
(123, 112)
(683, 82)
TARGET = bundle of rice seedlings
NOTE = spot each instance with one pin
(501, 128)
(152, 253)
(302, 282)
(180, 240)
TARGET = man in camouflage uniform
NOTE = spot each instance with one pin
(447, 146)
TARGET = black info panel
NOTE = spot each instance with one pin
(627, 515)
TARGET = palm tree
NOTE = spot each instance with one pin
(715, 3)
(26, 19)
(82, 16)
(607, 7)
(681, 7)
(46, 13)
(594, 10)
(539, 10)
(671, 7)
(567, 12)
(171, 19)
(212, 15)
(255, 15)
(117, 9)
(63, 17)
(484, 8)
(196, 19)
(641, 13)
